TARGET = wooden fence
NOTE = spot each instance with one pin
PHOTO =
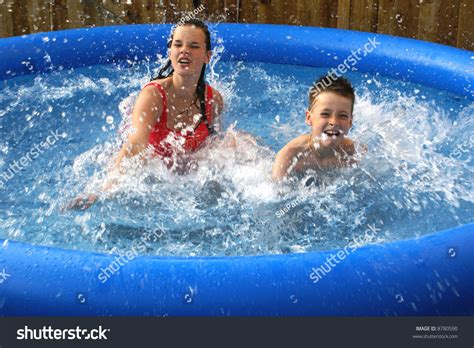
(450, 22)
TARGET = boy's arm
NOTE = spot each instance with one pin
(281, 165)
(285, 158)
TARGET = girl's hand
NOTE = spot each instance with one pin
(81, 202)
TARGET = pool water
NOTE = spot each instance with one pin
(415, 179)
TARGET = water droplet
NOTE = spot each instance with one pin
(81, 298)
(109, 119)
(452, 252)
(399, 298)
(188, 298)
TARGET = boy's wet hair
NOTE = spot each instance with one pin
(327, 83)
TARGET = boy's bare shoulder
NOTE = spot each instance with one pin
(349, 146)
(296, 145)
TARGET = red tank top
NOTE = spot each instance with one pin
(164, 140)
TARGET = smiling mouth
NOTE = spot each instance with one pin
(332, 132)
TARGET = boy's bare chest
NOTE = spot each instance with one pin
(307, 160)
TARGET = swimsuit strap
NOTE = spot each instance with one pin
(208, 116)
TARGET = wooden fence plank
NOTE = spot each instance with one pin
(448, 19)
(428, 20)
(343, 14)
(375, 19)
(371, 24)
(406, 18)
(75, 13)
(315, 6)
(93, 16)
(264, 12)
(6, 18)
(465, 35)
(19, 13)
(183, 8)
(248, 11)
(386, 16)
(59, 12)
(160, 12)
(356, 14)
(330, 9)
(39, 15)
(301, 12)
(286, 11)
(213, 11)
(148, 11)
(112, 12)
(364, 15)
(231, 10)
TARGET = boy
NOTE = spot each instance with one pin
(331, 103)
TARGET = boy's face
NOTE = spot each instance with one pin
(330, 118)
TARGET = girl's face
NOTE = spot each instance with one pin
(188, 50)
(330, 118)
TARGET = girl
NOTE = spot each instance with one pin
(177, 111)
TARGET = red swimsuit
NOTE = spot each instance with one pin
(164, 139)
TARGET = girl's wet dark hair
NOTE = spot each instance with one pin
(167, 69)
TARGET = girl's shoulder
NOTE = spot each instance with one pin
(155, 89)
(157, 83)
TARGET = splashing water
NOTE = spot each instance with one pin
(416, 177)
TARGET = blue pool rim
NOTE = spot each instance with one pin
(427, 276)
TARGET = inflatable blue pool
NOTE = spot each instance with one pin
(427, 276)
